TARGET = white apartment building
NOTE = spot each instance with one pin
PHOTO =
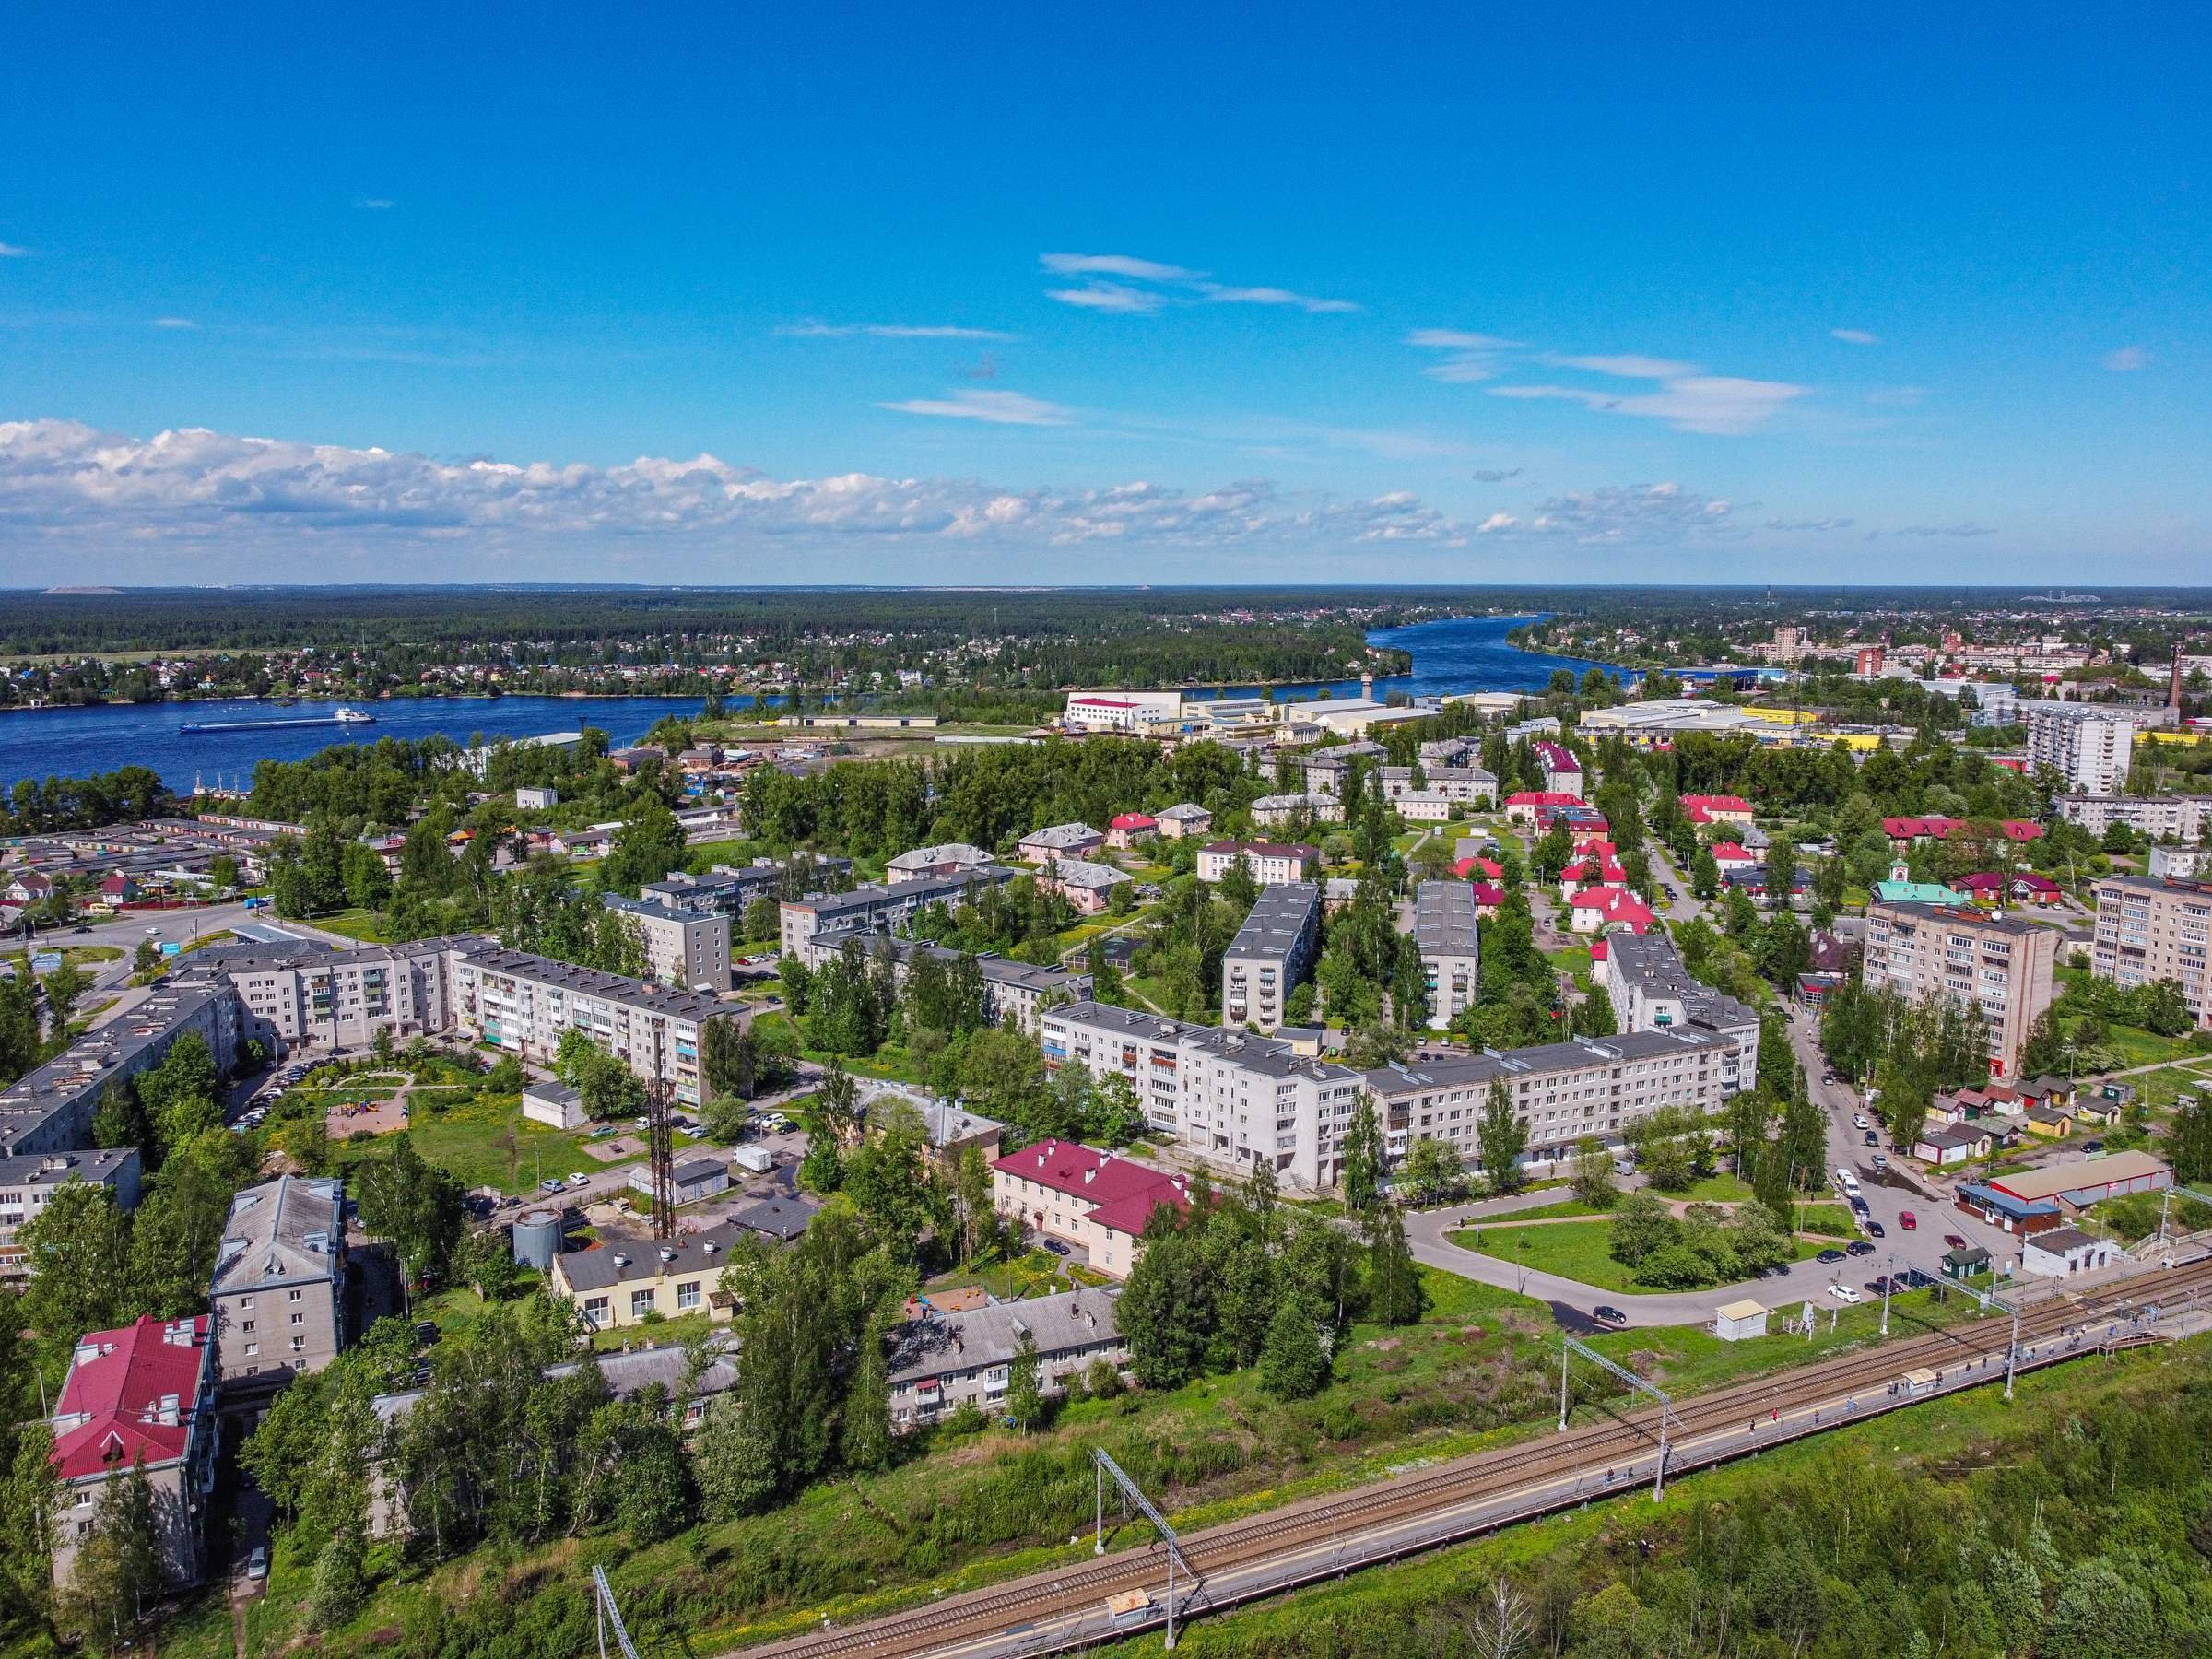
(522, 1002)
(1562, 772)
(1652, 991)
(2002, 965)
(817, 924)
(1056, 841)
(1443, 926)
(1272, 863)
(2088, 744)
(2148, 929)
(686, 948)
(1284, 811)
(1465, 784)
(1270, 955)
(310, 996)
(27, 1182)
(2153, 817)
(2183, 864)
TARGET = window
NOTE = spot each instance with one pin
(245, 1325)
(595, 1309)
(687, 1294)
(298, 1345)
(640, 1303)
(245, 1301)
(291, 1295)
(252, 1348)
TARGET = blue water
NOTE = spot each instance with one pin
(1465, 653)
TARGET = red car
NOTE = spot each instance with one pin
(1954, 1240)
(1908, 1220)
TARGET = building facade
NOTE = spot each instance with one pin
(2001, 965)
(1270, 955)
(1271, 863)
(941, 1362)
(2148, 929)
(30, 1181)
(278, 1296)
(618, 1284)
(688, 949)
(1444, 929)
(2090, 745)
(2152, 817)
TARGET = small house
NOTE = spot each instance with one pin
(2063, 1252)
(1739, 1321)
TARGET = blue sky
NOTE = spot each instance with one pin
(1135, 293)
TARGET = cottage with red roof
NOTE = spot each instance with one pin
(1716, 809)
(2000, 887)
(1130, 828)
(1490, 868)
(1596, 909)
(1522, 806)
(1092, 1199)
(141, 1395)
(1488, 897)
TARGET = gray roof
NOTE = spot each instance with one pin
(1443, 918)
(487, 956)
(779, 1217)
(640, 1258)
(626, 1371)
(1280, 921)
(949, 1123)
(952, 852)
(938, 1344)
(283, 1231)
(1076, 872)
(1457, 1070)
(2057, 1240)
(668, 911)
(52, 1169)
(555, 1094)
(1650, 958)
(74, 1077)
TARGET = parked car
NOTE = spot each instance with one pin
(1954, 1240)
(1875, 1230)
(580, 1179)
(1830, 1254)
(257, 1564)
(1844, 1294)
(1872, 1139)
(1858, 1120)
(1908, 1220)
(1858, 1247)
(1881, 1160)
(2092, 1146)
(1607, 1314)
(1057, 1248)
(548, 1185)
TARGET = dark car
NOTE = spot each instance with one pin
(1880, 1285)
(1779, 1270)
(2092, 1146)
(1954, 1240)
(1606, 1315)
(1875, 1230)
(1055, 1247)
(1918, 1279)
(1858, 1247)
(1872, 1139)
(1829, 1255)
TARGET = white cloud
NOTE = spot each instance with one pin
(1854, 336)
(997, 408)
(62, 480)
(1108, 296)
(174, 323)
(1718, 405)
(9, 251)
(372, 204)
(1965, 528)
(1170, 285)
(1495, 475)
(892, 331)
(1469, 357)
(1616, 512)
(1627, 366)
(2126, 360)
(1116, 265)
(1821, 524)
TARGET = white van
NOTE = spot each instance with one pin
(1850, 1179)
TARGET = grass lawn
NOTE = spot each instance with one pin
(362, 925)
(487, 1142)
(2157, 1089)
(1832, 1219)
(1717, 1189)
(1563, 1210)
(76, 956)
(1575, 1250)
(1033, 1273)
(659, 1332)
(1575, 961)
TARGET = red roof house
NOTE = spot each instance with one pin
(1596, 909)
(1068, 1191)
(1131, 827)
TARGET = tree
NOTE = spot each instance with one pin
(1167, 1306)
(2043, 1054)
(729, 1059)
(1641, 1225)
(1594, 1183)
(1594, 1015)
(181, 1095)
(1501, 1138)
(117, 1119)
(77, 1253)
(1433, 1171)
(2164, 1009)
(1025, 1385)
(610, 1090)
(866, 1442)
(145, 960)
(487, 1266)
(119, 1565)
(1394, 1293)
(763, 918)
(1704, 874)
(734, 1462)
(69, 983)
(414, 1205)
(1361, 1171)
(1237, 884)
(2099, 1615)
(1293, 1363)
(341, 1582)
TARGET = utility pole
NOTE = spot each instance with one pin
(662, 1139)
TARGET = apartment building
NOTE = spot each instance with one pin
(1458, 784)
(30, 1182)
(728, 890)
(1090, 1199)
(309, 996)
(811, 927)
(618, 1284)
(687, 949)
(946, 858)
(1443, 926)
(1110, 1041)
(2180, 862)
(941, 1362)
(2001, 964)
(1271, 863)
(1057, 841)
(142, 1395)
(1562, 772)
(1185, 817)
(2088, 744)
(1288, 811)
(522, 1002)
(1087, 887)
(1326, 769)
(2153, 817)
(277, 1300)
(2148, 929)
(50, 1109)
(1561, 1092)
(1014, 992)
(1652, 991)
(1270, 955)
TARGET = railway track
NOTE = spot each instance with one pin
(1763, 1411)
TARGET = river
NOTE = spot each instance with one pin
(1464, 653)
